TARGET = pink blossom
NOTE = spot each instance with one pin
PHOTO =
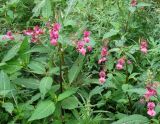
(143, 46)
(37, 30)
(101, 60)
(119, 67)
(129, 62)
(56, 26)
(82, 51)
(150, 92)
(150, 105)
(54, 34)
(104, 52)
(133, 3)
(80, 44)
(151, 112)
(86, 33)
(89, 48)
(8, 36)
(28, 32)
(102, 80)
(86, 39)
(102, 73)
(54, 42)
(121, 61)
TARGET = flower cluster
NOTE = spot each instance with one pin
(81, 44)
(120, 63)
(54, 34)
(150, 107)
(151, 91)
(102, 76)
(35, 33)
(104, 53)
(133, 3)
(143, 46)
(8, 36)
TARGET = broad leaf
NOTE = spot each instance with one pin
(110, 33)
(37, 67)
(43, 109)
(133, 119)
(8, 107)
(45, 85)
(75, 69)
(67, 93)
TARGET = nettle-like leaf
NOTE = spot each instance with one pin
(8, 107)
(75, 69)
(133, 119)
(5, 84)
(43, 109)
(45, 85)
(70, 103)
(111, 33)
(37, 67)
(11, 53)
(67, 93)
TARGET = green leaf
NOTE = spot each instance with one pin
(70, 103)
(139, 91)
(142, 4)
(43, 109)
(45, 85)
(133, 119)
(5, 85)
(75, 69)
(37, 67)
(25, 46)
(67, 93)
(27, 82)
(47, 10)
(37, 9)
(96, 90)
(11, 53)
(8, 107)
(110, 33)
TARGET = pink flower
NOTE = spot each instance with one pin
(133, 3)
(54, 34)
(150, 105)
(82, 51)
(121, 61)
(102, 80)
(150, 92)
(101, 60)
(28, 32)
(129, 62)
(89, 48)
(86, 33)
(119, 67)
(80, 44)
(143, 46)
(54, 42)
(8, 36)
(56, 26)
(86, 39)
(102, 73)
(37, 30)
(151, 112)
(104, 52)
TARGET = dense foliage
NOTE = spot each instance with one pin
(80, 62)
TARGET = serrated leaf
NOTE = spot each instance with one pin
(70, 103)
(43, 109)
(96, 90)
(133, 119)
(27, 82)
(110, 33)
(8, 107)
(75, 69)
(37, 67)
(142, 4)
(47, 10)
(5, 85)
(45, 85)
(11, 53)
(67, 93)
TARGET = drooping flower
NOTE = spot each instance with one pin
(150, 105)
(151, 112)
(8, 36)
(54, 34)
(89, 48)
(104, 52)
(102, 76)
(120, 63)
(143, 46)
(82, 51)
(150, 92)
(133, 3)
(101, 60)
